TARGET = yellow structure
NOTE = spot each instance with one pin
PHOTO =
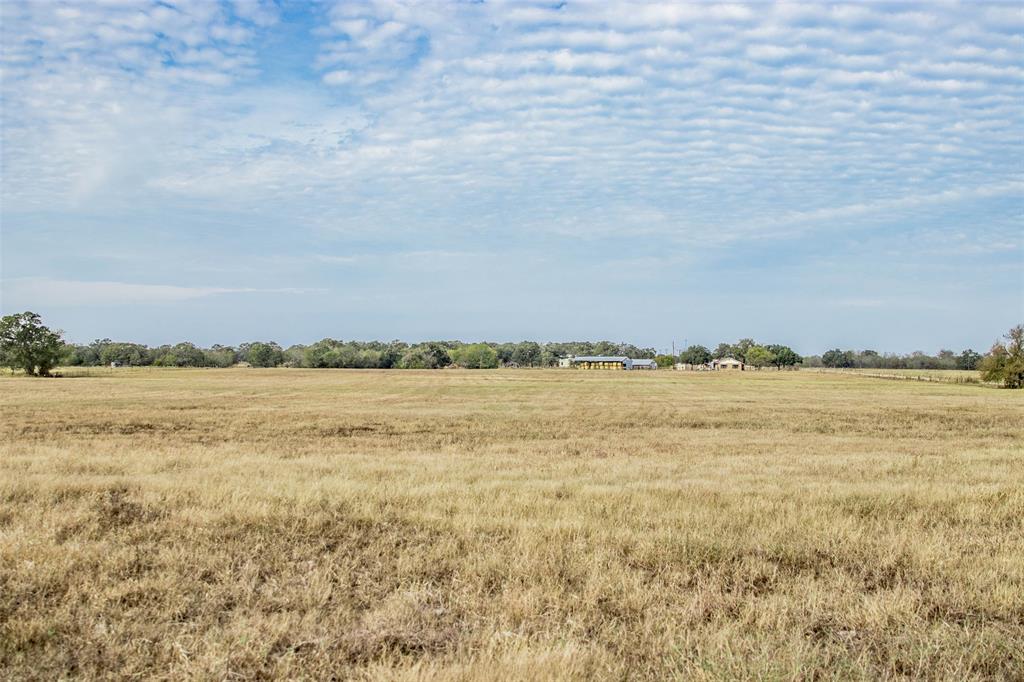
(601, 362)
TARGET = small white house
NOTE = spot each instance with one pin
(727, 364)
(690, 367)
(565, 362)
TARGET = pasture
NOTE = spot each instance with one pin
(509, 524)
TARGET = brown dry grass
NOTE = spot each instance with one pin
(509, 525)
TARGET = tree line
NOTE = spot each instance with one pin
(27, 344)
(968, 359)
(1003, 364)
(335, 353)
(747, 351)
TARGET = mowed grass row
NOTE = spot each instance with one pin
(509, 525)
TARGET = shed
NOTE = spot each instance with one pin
(602, 362)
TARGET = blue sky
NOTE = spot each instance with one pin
(814, 174)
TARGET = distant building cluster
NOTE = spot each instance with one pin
(724, 364)
(619, 362)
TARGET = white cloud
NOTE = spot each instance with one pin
(472, 118)
(33, 292)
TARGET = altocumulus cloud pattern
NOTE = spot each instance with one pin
(665, 150)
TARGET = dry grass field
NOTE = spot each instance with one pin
(949, 376)
(253, 524)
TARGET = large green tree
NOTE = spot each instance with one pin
(1005, 363)
(527, 354)
(723, 350)
(742, 347)
(475, 356)
(695, 355)
(838, 358)
(26, 343)
(265, 354)
(759, 356)
(784, 355)
(968, 359)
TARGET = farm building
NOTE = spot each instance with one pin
(690, 367)
(601, 362)
(606, 362)
(727, 364)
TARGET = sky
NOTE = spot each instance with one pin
(819, 175)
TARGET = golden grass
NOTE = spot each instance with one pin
(509, 525)
(949, 376)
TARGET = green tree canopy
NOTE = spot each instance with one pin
(418, 357)
(784, 355)
(759, 356)
(527, 354)
(838, 358)
(1005, 363)
(265, 354)
(968, 359)
(475, 356)
(26, 343)
(741, 348)
(695, 355)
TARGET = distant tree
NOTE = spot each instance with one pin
(418, 358)
(26, 343)
(837, 358)
(505, 352)
(723, 350)
(391, 355)
(868, 358)
(182, 354)
(79, 355)
(527, 354)
(758, 356)
(695, 355)
(549, 357)
(294, 356)
(475, 356)
(783, 356)
(317, 355)
(993, 365)
(127, 354)
(631, 351)
(219, 356)
(439, 354)
(265, 354)
(968, 359)
(741, 348)
(665, 361)
(1005, 363)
